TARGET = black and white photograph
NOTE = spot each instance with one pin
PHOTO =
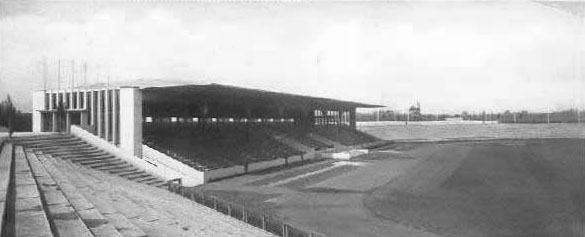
(292, 118)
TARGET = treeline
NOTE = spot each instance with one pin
(565, 116)
(13, 119)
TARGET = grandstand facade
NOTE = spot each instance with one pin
(206, 127)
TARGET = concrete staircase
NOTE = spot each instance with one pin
(41, 195)
(75, 150)
(39, 201)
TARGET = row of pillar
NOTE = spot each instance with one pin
(100, 110)
(341, 117)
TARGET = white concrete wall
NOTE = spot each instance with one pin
(190, 177)
(38, 104)
(149, 166)
(345, 155)
(131, 120)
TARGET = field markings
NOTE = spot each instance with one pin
(334, 166)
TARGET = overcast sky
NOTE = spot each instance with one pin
(449, 56)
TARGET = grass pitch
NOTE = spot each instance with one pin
(506, 187)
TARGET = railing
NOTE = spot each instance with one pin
(270, 223)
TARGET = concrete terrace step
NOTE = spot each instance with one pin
(123, 171)
(75, 174)
(5, 171)
(50, 142)
(37, 138)
(92, 218)
(134, 174)
(145, 179)
(131, 210)
(61, 146)
(114, 168)
(78, 151)
(76, 156)
(67, 147)
(30, 218)
(65, 220)
(93, 161)
(109, 163)
(96, 153)
(156, 211)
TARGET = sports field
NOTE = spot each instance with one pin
(504, 187)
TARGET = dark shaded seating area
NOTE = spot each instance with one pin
(300, 135)
(344, 135)
(215, 145)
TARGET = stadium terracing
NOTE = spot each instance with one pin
(100, 158)
(199, 133)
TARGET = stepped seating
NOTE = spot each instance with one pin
(78, 151)
(41, 195)
(344, 135)
(41, 203)
(154, 211)
(216, 147)
(301, 136)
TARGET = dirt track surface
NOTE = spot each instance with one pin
(495, 188)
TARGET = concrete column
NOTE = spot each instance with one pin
(68, 121)
(84, 114)
(115, 112)
(352, 118)
(339, 118)
(54, 118)
(99, 122)
(38, 105)
(93, 108)
(51, 100)
(131, 120)
(79, 106)
(70, 105)
(107, 115)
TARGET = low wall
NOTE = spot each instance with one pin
(265, 164)
(295, 159)
(223, 172)
(189, 176)
(309, 156)
(346, 155)
(150, 166)
(252, 167)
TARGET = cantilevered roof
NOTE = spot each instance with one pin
(218, 93)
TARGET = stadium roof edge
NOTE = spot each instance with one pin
(228, 90)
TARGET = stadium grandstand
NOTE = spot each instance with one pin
(42, 193)
(213, 131)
